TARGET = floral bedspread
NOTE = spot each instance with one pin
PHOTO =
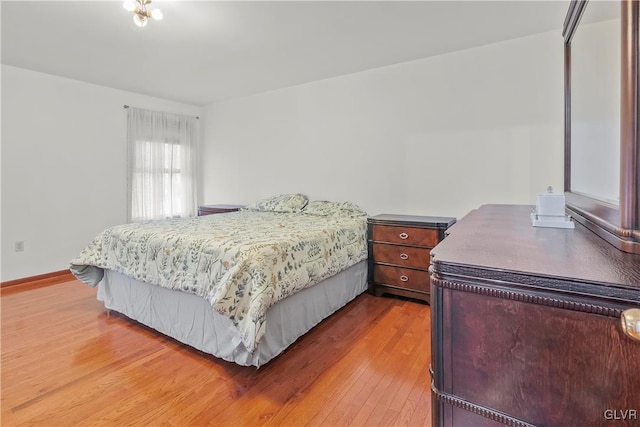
(241, 262)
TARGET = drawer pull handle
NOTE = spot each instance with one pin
(404, 236)
(631, 323)
(404, 256)
(404, 278)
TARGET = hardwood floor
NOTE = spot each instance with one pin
(66, 362)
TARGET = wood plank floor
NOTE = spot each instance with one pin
(66, 362)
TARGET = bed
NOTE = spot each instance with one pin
(242, 286)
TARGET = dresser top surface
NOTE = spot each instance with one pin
(414, 220)
(501, 238)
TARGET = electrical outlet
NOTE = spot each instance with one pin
(20, 246)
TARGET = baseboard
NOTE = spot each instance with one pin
(53, 278)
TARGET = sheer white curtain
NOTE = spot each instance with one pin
(162, 160)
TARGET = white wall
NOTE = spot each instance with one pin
(438, 136)
(63, 166)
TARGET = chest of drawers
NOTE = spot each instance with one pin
(399, 253)
(526, 325)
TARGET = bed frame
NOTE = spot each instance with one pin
(191, 319)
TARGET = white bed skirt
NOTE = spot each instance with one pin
(191, 320)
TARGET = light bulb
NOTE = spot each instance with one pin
(130, 5)
(156, 14)
(140, 21)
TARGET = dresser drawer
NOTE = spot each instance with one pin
(406, 256)
(405, 235)
(401, 277)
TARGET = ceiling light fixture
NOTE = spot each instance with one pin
(141, 14)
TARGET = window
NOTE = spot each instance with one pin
(162, 159)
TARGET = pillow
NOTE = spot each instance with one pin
(322, 208)
(281, 203)
(352, 209)
(328, 208)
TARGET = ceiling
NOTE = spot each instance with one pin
(207, 51)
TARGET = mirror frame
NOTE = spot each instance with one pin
(618, 225)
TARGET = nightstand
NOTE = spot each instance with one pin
(399, 249)
(216, 209)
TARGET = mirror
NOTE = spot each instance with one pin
(601, 119)
(595, 101)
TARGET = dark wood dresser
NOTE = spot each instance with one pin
(526, 325)
(399, 247)
(216, 209)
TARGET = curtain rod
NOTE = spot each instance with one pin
(126, 106)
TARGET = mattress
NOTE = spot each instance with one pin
(191, 320)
